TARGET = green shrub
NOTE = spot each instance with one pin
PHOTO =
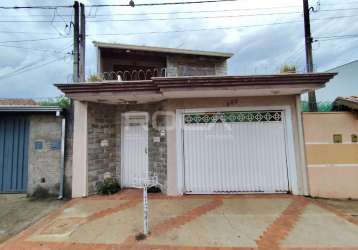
(61, 101)
(108, 186)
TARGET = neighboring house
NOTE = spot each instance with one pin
(344, 84)
(332, 150)
(30, 147)
(196, 129)
(346, 103)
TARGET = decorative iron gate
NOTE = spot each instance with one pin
(14, 137)
(236, 151)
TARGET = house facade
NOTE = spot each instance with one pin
(175, 115)
(31, 139)
(344, 84)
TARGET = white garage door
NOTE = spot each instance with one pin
(235, 152)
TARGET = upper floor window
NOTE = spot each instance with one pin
(354, 138)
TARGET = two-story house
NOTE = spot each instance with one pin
(176, 115)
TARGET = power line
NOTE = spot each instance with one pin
(35, 40)
(202, 17)
(26, 32)
(30, 67)
(191, 30)
(189, 18)
(202, 29)
(43, 7)
(162, 13)
(338, 36)
(215, 11)
(171, 18)
(160, 4)
(51, 7)
(36, 49)
(180, 12)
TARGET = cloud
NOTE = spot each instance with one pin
(258, 49)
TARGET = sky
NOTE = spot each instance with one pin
(36, 45)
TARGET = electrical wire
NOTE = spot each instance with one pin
(179, 12)
(26, 32)
(35, 40)
(30, 67)
(321, 38)
(51, 7)
(191, 30)
(202, 17)
(44, 7)
(159, 4)
(172, 18)
(39, 50)
(216, 11)
(204, 29)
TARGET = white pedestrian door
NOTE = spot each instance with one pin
(134, 149)
(235, 152)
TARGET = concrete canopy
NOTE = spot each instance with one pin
(161, 88)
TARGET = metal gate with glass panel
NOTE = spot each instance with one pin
(235, 152)
(14, 133)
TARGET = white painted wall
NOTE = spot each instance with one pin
(344, 84)
(80, 167)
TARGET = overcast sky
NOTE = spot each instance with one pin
(263, 35)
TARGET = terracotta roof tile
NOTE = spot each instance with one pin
(350, 102)
(17, 102)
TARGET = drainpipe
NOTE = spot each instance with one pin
(62, 162)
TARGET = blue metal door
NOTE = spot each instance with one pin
(14, 137)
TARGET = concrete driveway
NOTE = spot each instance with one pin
(192, 222)
(17, 212)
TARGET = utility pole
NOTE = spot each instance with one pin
(82, 45)
(312, 103)
(76, 30)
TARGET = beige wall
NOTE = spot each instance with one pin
(320, 127)
(172, 105)
(332, 168)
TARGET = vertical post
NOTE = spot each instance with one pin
(145, 209)
(309, 61)
(82, 44)
(62, 160)
(76, 29)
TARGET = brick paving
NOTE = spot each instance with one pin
(274, 233)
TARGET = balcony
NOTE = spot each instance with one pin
(133, 74)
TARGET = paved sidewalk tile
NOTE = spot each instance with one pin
(192, 222)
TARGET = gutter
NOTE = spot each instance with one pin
(27, 108)
(62, 160)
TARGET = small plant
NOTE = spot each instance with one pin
(287, 68)
(140, 236)
(94, 78)
(108, 186)
(154, 189)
